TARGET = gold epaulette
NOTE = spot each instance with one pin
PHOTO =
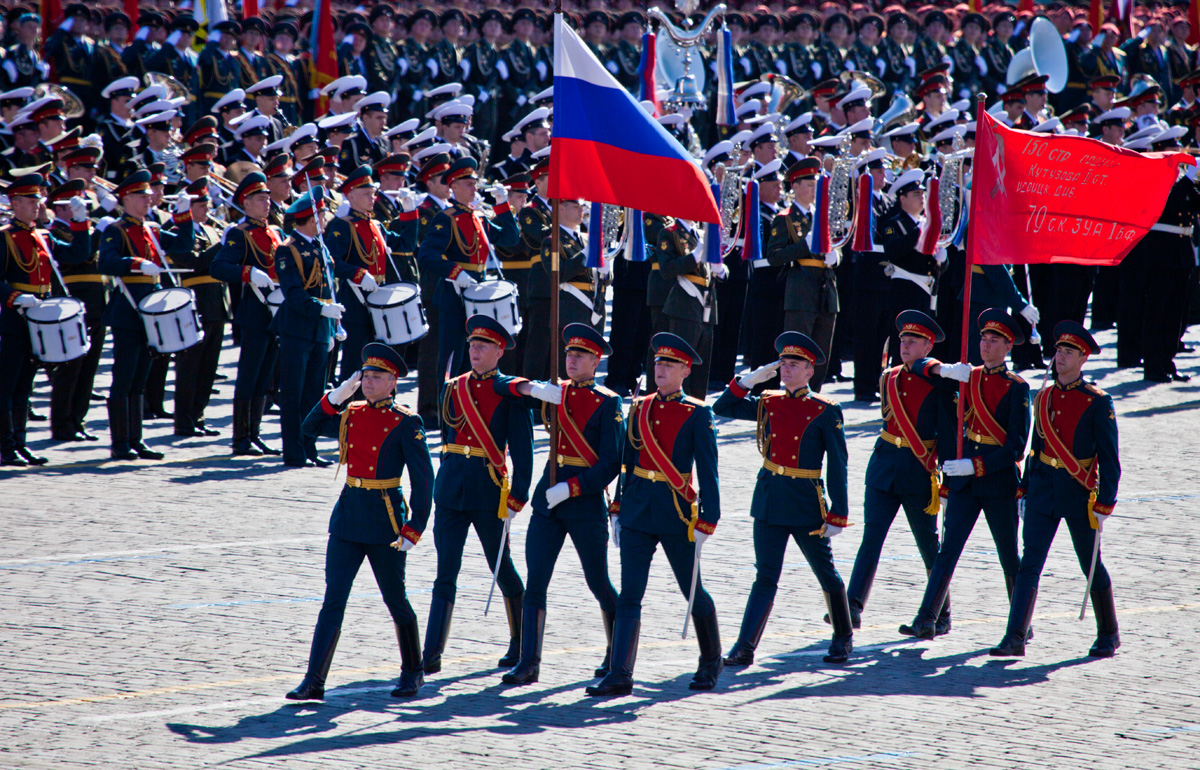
(1094, 389)
(1015, 377)
(403, 409)
(821, 398)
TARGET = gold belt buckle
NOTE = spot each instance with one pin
(650, 475)
(777, 470)
(898, 441)
(466, 450)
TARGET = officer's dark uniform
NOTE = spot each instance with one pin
(429, 380)
(250, 244)
(797, 430)
(70, 54)
(457, 240)
(630, 315)
(992, 286)
(1073, 470)
(359, 245)
(184, 66)
(535, 228)
(124, 245)
(765, 295)
(997, 428)
(896, 476)
(578, 304)
(380, 57)
(591, 435)
(516, 262)
(689, 311)
(900, 234)
(25, 253)
(377, 442)
(218, 70)
(295, 80)
(196, 367)
(482, 422)
(361, 150)
(481, 79)
(521, 81)
(666, 437)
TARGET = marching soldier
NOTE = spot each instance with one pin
(903, 468)
(22, 65)
(445, 55)
(378, 440)
(519, 71)
(27, 279)
(436, 199)
(789, 499)
(395, 209)
(986, 477)
(196, 367)
(766, 289)
(481, 425)
(480, 76)
(131, 250)
(670, 438)
(247, 262)
(516, 264)
(366, 146)
(588, 457)
(1071, 475)
(690, 310)
(454, 249)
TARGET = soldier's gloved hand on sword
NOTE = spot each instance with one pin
(560, 492)
(1031, 314)
(333, 310)
(260, 279)
(700, 538)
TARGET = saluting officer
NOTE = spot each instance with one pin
(903, 469)
(136, 252)
(482, 424)
(218, 64)
(986, 477)
(1071, 475)
(378, 440)
(588, 456)
(27, 279)
(455, 248)
(797, 430)
(668, 434)
(247, 261)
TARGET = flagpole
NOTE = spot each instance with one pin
(555, 242)
(965, 336)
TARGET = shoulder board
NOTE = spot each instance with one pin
(604, 391)
(692, 402)
(823, 399)
(642, 399)
(402, 409)
(356, 405)
(1015, 377)
(771, 394)
(1094, 389)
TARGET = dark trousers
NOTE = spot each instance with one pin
(821, 327)
(630, 338)
(302, 375)
(1028, 355)
(71, 384)
(357, 336)
(658, 323)
(429, 380)
(879, 511)
(1105, 298)
(770, 545)
(1066, 289)
(17, 369)
(450, 536)
(700, 337)
(195, 373)
(1131, 307)
(871, 327)
(256, 364)
(452, 341)
(131, 363)
(731, 299)
(841, 345)
(544, 542)
(962, 511)
(1164, 316)
(637, 551)
(156, 383)
(762, 325)
(342, 560)
(535, 358)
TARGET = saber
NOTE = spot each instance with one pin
(1091, 574)
(1034, 337)
(883, 366)
(499, 556)
(692, 592)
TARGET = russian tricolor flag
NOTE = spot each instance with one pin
(606, 148)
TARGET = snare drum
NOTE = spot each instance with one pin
(172, 322)
(57, 330)
(275, 301)
(397, 313)
(497, 299)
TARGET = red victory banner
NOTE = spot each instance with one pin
(1045, 198)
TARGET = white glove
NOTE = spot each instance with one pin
(759, 375)
(259, 278)
(545, 391)
(939, 256)
(700, 538)
(960, 372)
(79, 210)
(614, 523)
(720, 271)
(1031, 314)
(1021, 509)
(464, 280)
(343, 392)
(333, 310)
(1100, 517)
(26, 301)
(832, 530)
(107, 201)
(149, 268)
(407, 201)
(963, 467)
(406, 544)
(183, 203)
(499, 194)
(700, 255)
(368, 283)
(558, 493)
(342, 210)
(831, 258)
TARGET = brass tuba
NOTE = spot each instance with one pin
(72, 104)
(175, 89)
(841, 184)
(849, 77)
(952, 192)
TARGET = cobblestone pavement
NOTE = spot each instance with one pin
(155, 613)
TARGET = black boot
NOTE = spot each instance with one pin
(843, 629)
(118, 429)
(925, 624)
(312, 687)
(257, 407)
(1107, 638)
(941, 627)
(512, 609)
(856, 608)
(708, 635)
(533, 629)
(1010, 582)
(437, 631)
(1020, 614)
(135, 431)
(19, 421)
(8, 442)
(605, 666)
(754, 622)
(411, 676)
(625, 645)
(241, 429)
(62, 424)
